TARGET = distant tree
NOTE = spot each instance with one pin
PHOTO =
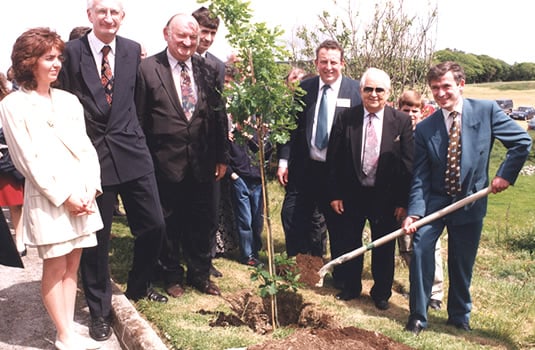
(400, 43)
(523, 71)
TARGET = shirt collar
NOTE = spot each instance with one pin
(173, 61)
(335, 86)
(97, 45)
(378, 114)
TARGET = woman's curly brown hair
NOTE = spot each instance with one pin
(27, 49)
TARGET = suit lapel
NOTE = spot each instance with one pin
(356, 137)
(164, 73)
(124, 63)
(312, 98)
(92, 77)
(469, 131)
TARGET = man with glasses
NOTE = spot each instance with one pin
(302, 168)
(370, 167)
(100, 68)
(184, 118)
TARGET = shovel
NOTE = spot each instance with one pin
(393, 235)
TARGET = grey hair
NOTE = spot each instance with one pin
(91, 3)
(376, 72)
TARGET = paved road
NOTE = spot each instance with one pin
(24, 322)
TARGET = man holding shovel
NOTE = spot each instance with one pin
(451, 160)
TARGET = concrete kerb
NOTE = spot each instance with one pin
(132, 330)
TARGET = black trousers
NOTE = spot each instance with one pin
(366, 205)
(305, 210)
(145, 219)
(190, 213)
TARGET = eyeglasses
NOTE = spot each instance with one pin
(378, 90)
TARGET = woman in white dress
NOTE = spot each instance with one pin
(45, 132)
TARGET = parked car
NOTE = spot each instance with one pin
(506, 105)
(531, 124)
(523, 113)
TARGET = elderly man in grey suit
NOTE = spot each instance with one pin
(183, 115)
(100, 69)
(452, 150)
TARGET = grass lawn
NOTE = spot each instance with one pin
(503, 287)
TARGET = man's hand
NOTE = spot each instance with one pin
(282, 175)
(338, 206)
(499, 184)
(220, 170)
(400, 213)
(408, 225)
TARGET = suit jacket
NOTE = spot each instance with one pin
(51, 149)
(218, 65)
(114, 131)
(178, 145)
(297, 150)
(394, 168)
(482, 122)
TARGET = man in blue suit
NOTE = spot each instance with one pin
(480, 123)
(302, 161)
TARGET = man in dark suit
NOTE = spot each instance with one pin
(479, 123)
(208, 26)
(126, 164)
(302, 168)
(184, 118)
(370, 163)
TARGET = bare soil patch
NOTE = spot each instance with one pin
(316, 329)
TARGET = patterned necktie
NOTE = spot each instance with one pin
(453, 169)
(370, 155)
(188, 98)
(322, 137)
(106, 75)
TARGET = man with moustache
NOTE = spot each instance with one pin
(100, 68)
(185, 121)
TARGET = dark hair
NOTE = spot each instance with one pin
(78, 32)
(438, 71)
(205, 18)
(331, 45)
(27, 49)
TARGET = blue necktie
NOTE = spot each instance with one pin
(322, 138)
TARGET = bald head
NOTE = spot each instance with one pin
(182, 36)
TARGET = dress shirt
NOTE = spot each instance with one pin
(447, 120)
(332, 97)
(176, 69)
(96, 49)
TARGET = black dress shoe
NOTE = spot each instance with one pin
(215, 272)
(414, 326)
(346, 295)
(464, 326)
(435, 304)
(381, 304)
(24, 252)
(100, 328)
(151, 295)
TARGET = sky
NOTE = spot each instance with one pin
(502, 30)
